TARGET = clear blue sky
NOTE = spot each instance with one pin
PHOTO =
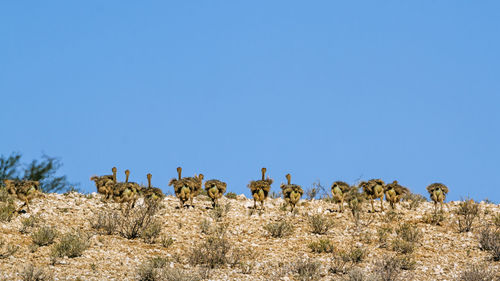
(328, 90)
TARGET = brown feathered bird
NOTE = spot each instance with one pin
(215, 189)
(126, 191)
(186, 188)
(150, 192)
(24, 190)
(105, 184)
(260, 189)
(374, 189)
(437, 192)
(339, 190)
(394, 192)
(291, 192)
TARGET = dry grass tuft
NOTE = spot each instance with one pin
(71, 245)
(320, 224)
(32, 273)
(322, 246)
(44, 236)
(478, 273)
(279, 229)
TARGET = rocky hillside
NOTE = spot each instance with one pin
(80, 237)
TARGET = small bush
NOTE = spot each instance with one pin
(383, 235)
(4, 195)
(29, 223)
(307, 269)
(279, 229)
(356, 254)
(496, 221)
(105, 222)
(231, 195)
(7, 210)
(219, 212)
(414, 200)
(176, 274)
(434, 218)
(320, 224)
(401, 246)
(151, 232)
(387, 269)
(274, 195)
(212, 252)
(7, 250)
(166, 242)
(31, 273)
(151, 269)
(409, 232)
(406, 262)
(467, 212)
(44, 236)
(489, 240)
(134, 222)
(357, 274)
(477, 273)
(205, 226)
(322, 246)
(71, 245)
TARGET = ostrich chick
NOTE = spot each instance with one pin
(150, 192)
(339, 190)
(186, 188)
(260, 189)
(104, 184)
(126, 191)
(394, 192)
(374, 189)
(437, 192)
(24, 190)
(215, 189)
(291, 192)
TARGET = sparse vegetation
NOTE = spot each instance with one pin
(320, 224)
(212, 252)
(307, 269)
(489, 240)
(279, 229)
(414, 200)
(434, 218)
(219, 212)
(322, 246)
(7, 210)
(478, 273)
(151, 232)
(134, 221)
(231, 195)
(387, 269)
(467, 213)
(408, 236)
(29, 223)
(44, 236)
(71, 245)
(166, 242)
(7, 249)
(106, 222)
(32, 273)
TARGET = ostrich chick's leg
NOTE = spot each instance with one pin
(373, 208)
(382, 203)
